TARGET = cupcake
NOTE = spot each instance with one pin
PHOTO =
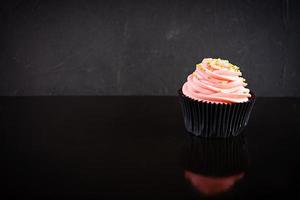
(215, 101)
(214, 166)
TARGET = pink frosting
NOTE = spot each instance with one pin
(216, 81)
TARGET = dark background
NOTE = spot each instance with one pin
(145, 47)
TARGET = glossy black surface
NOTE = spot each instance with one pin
(93, 147)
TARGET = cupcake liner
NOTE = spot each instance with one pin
(215, 157)
(215, 120)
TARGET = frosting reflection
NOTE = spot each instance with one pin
(214, 166)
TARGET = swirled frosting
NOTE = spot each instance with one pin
(216, 81)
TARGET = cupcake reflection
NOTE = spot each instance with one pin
(214, 166)
(212, 185)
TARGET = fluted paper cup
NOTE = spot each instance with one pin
(215, 120)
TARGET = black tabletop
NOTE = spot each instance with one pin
(93, 147)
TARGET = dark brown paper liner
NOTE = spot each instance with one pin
(215, 120)
(215, 157)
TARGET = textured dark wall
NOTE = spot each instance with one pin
(145, 47)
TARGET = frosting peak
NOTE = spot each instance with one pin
(216, 81)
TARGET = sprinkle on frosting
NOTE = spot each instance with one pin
(216, 81)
